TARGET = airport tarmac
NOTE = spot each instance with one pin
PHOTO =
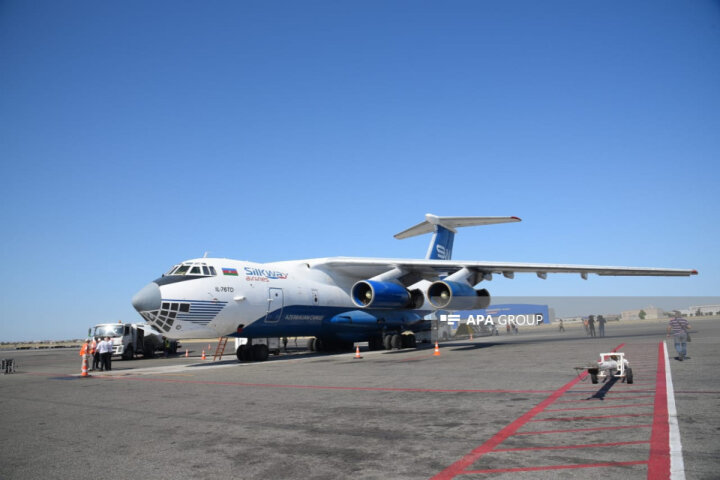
(496, 407)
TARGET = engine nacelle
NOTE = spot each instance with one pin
(375, 294)
(457, 296)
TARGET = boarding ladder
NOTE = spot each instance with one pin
(220, 349)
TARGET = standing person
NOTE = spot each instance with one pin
(601, 325)
(591, 325)
(585, 326)
(166, 347)
(562, 327)
(678, 327)
(85, 349)
(285, 340)
(105, 349)
(94, 353)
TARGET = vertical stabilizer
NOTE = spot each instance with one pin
(444, 229)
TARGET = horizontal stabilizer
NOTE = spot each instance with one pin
(451, 223)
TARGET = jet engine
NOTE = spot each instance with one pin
(450, 295)
(377, 294)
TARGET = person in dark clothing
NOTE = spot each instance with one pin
(601, 325)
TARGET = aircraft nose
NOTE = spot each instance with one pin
(147, 299)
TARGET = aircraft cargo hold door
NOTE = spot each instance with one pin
(275, 305)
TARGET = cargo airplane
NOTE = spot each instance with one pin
(339, 300)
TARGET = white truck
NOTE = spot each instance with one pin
(130, 339)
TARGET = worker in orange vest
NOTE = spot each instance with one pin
(84, 348)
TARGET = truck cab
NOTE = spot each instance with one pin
(130, 339)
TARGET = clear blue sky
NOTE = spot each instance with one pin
(137, 134)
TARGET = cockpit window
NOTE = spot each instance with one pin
(181, 270)
(193, 269)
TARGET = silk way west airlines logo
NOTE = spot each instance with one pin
(269, 274)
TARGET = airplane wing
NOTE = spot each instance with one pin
(414, 270)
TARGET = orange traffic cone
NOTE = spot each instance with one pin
(437, 350)
(203, 356)
(357, 352)
(187, 353)
(84, 368)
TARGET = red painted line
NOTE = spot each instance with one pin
(602, 406)
(556, 467)
(590, 429)
(459, 466)
(606, 399)
(659, 461)
(572, 419)
(563, 447)
(319, 387)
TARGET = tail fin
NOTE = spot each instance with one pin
(441, 243)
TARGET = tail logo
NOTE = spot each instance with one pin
(442, 252)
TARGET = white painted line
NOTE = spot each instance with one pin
(677, 466)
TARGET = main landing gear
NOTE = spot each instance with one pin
(316, 344)
(393, 341)
(253, 353)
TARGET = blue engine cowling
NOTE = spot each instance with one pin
(457, 296)
(374, 294)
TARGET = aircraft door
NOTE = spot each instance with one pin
(275, 305)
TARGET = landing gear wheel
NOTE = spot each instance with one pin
(311, 344)
(244, 353)
(260, 352)
(408, 341)
(629, 375)
(396, 342)
(319, 345)
(387, 342)
(594, 378)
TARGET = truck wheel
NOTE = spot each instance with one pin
(629, 375)
(128, 354)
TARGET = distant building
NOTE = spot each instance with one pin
(651, 313)
(698, 310)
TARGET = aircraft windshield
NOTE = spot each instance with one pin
(108, 331)
(193, 269)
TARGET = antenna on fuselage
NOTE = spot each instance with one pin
(206, 254)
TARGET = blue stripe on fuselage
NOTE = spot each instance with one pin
(314, 321)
